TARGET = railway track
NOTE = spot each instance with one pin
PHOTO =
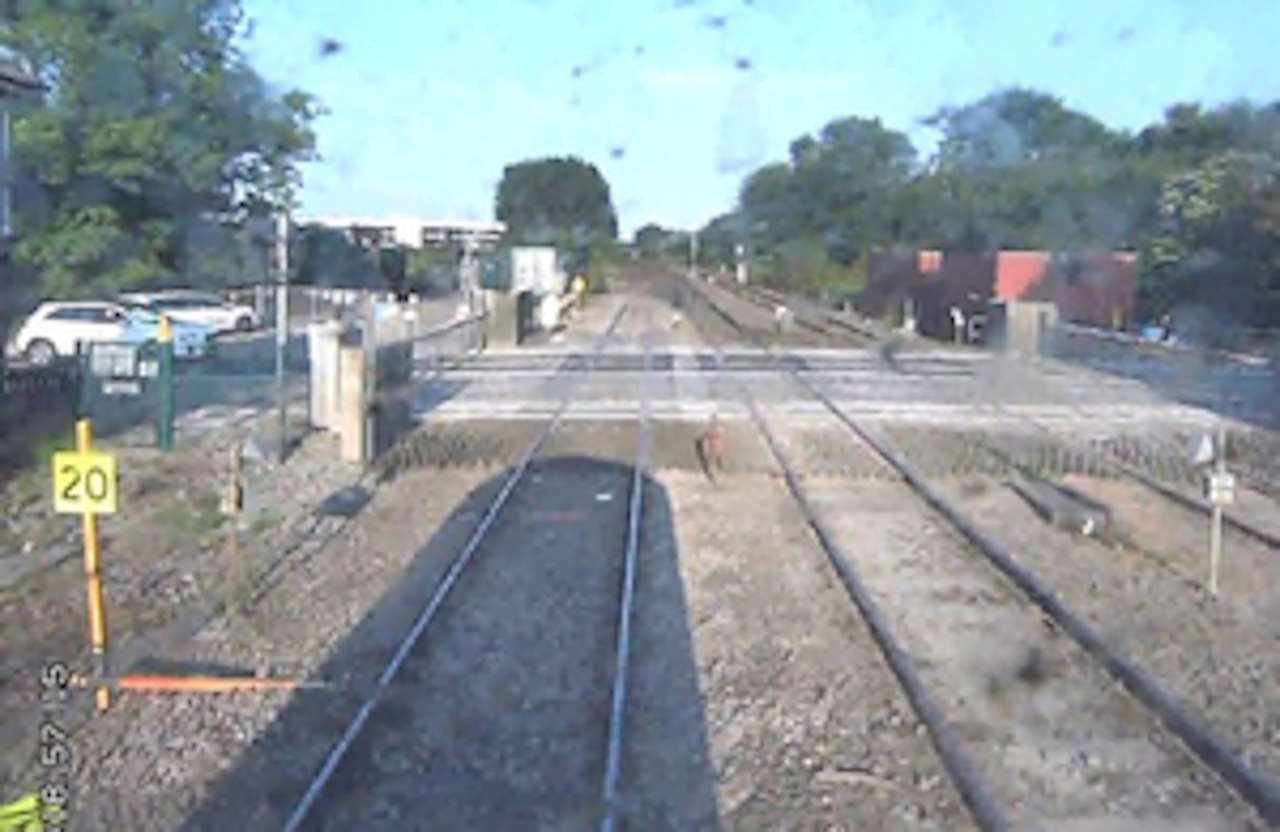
(1120, 467)
(372, 767)
(1163, 754)
(1146, 763)
(807, 315)
(690, 362)
(833, 326)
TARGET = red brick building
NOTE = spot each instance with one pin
(1095, 288)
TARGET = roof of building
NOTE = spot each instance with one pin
(1016, 271)
(409, 230)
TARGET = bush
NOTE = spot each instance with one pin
(805, 266)
(601, 262)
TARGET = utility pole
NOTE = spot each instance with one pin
(6, 200)
(693, 254)
(282, 322)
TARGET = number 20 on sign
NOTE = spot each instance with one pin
(84, 483)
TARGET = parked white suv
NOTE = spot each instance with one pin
(203, 308)
(55, 327)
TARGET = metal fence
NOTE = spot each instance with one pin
(117, 385)
(411, 354)
(307, 304)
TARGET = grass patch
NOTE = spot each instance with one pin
(197, 516)
(43, 449)
(264, 521)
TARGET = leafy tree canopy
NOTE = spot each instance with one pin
(1195, 193)
(556, 201)
(154, 138)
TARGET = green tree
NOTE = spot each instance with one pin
(1020, 169)
(556, 201)
(155, 139)
(325, 257)
(833, 188)
(717, 239)
(1218, 247)
(1196, 193)
(653, 241)
(1014, 126)
(650, 239)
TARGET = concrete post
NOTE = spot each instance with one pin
(323, 349)
(351, 387)
(369, 376)
(504, 324)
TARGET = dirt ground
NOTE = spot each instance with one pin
(164, 564)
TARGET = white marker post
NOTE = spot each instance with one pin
(1221, 488)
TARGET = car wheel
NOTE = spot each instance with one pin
(244, 323)
(41, 353)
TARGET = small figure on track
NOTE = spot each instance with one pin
(889, 349)
(712, 448)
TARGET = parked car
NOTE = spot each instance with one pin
(54, 329)
(190, 340)
(197, 307)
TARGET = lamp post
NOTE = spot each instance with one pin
(282, 324)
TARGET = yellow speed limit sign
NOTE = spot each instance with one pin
(84, 483)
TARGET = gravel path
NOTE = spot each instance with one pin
(164, 566)
(509, 689)
(759, 321)
(225, 762)
(1218, 656)
(1053, 736)
(807, 727)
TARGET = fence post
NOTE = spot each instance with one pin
(164, 418)
(83, 378)
(351, 386)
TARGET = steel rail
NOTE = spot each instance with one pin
(816, 321)
(617, 712)
(818, 311)
(1173, 495)
(336, 754)
(1255, 788)
(985, 809)
(1201, 506)
(1122, 468)
(1259, 791)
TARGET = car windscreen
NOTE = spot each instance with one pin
(188, 302)
(142, 315)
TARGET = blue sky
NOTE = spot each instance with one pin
(676, 100)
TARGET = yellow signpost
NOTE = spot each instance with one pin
(84, 483)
